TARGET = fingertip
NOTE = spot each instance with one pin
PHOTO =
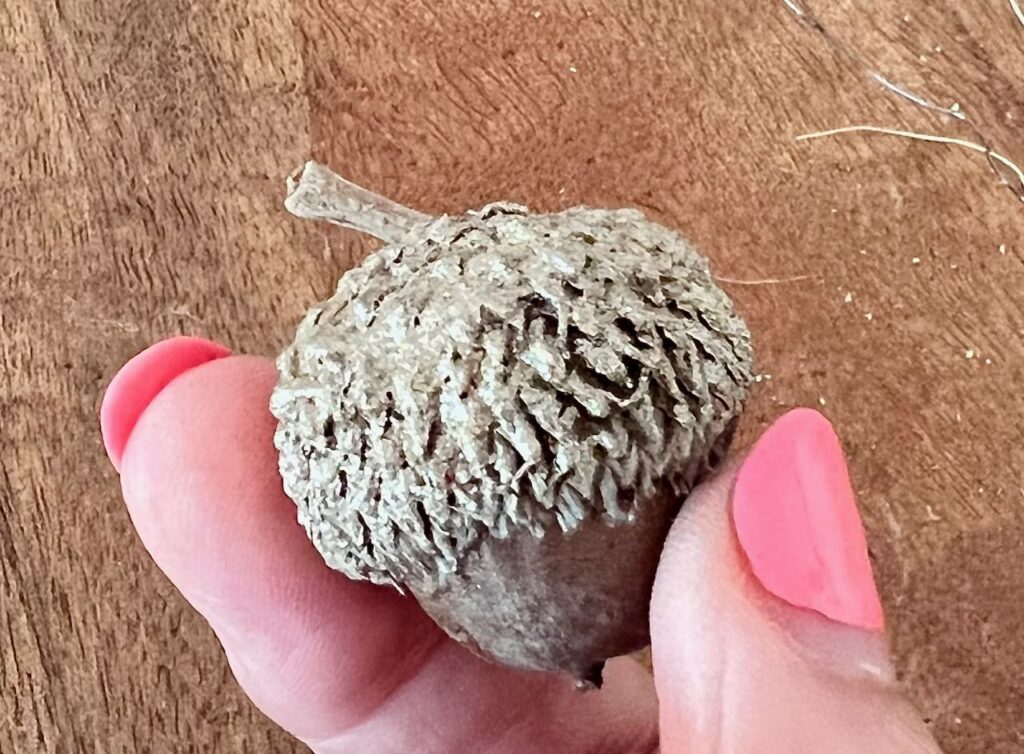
(201, 482)
(797, 521)
(141, 379)
(806, 648)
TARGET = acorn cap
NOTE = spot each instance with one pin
(502, 412)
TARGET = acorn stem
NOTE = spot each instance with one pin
(316, 192)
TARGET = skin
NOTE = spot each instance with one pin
(352, 667)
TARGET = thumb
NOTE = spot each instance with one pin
(767, 630)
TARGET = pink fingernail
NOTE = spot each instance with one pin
(797, 521)
(140, 380)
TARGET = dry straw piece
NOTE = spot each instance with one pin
(502, 411)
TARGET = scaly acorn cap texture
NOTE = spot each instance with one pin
(502, 411)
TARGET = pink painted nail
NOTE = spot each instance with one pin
(140, 380)
(797, 522)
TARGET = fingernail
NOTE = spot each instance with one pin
(140, 380)
(796, 519)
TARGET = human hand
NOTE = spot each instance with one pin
(766, 627)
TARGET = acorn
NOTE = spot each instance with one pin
(502, 412)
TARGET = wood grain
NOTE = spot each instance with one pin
(144, 151)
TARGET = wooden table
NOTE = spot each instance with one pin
(144, 150)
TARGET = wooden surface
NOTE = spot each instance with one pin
(143, 153)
